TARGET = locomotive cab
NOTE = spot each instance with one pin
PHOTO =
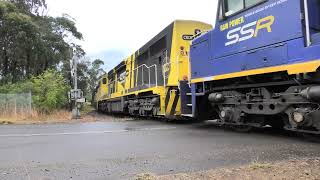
(259, 65)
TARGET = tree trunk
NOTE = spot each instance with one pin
(28, 73)
(5, 63)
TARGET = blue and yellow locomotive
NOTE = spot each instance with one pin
(260, 65)
(147, 83)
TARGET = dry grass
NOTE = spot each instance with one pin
(35, 117)
(56, 116)
(302, 169)
(145, 176)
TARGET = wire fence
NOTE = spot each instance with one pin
(13, 105)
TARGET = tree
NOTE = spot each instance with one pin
(30, 6)
(95, 72)
(31, 44)
(36, 52)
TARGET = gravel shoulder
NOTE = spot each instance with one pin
(284, 170)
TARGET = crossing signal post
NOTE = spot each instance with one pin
(76, 97)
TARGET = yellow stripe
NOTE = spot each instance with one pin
(170, 103)
(291, 69)
(178, 107)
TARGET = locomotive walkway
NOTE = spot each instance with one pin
(120, 150)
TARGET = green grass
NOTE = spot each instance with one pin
(87, 108)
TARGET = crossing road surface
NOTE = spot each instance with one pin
(120, 150)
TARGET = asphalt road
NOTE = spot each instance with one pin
(105, 150)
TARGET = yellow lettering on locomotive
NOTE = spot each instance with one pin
(264, 23)
(224, 27)
(236, 22)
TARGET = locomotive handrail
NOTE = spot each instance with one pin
(164, 72)
(203, 32)
(307, 23)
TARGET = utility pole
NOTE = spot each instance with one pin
(75, 110)
(75, 67)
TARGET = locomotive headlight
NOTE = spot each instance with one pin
(223, 114)
(298, 117)
(226, 114)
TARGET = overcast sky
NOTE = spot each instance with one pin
(113, 29)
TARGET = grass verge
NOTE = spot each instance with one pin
(35, 117)
(301, 169)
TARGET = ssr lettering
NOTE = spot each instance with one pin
(249, 30)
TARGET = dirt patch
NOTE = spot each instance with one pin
(286, 170)
(99, 117)
(89, 114)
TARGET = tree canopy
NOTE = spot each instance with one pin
(31, 43)
(36, 51)
(89, 74)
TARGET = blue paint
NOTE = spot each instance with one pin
(232, 47)
(285, 44)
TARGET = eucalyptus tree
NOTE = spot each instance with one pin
(32, 42)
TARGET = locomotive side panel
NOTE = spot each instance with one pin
(261, 66)
(148, 82)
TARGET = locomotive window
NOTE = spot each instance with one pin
(104, 81)
(158, 47)
(144, 56)
(252, 2)
(232, 7)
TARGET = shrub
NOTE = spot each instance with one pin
(49, 91)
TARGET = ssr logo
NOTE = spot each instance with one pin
(249, 30)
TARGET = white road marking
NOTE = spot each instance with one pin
(156, 129)
(86, 133)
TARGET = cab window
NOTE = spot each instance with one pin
(249, 3)
(104, 81)
(232, 7)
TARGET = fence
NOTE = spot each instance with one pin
(15, 105)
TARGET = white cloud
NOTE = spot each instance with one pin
(126, 25)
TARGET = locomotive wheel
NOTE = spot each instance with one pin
(154, 112)
(140, 112)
